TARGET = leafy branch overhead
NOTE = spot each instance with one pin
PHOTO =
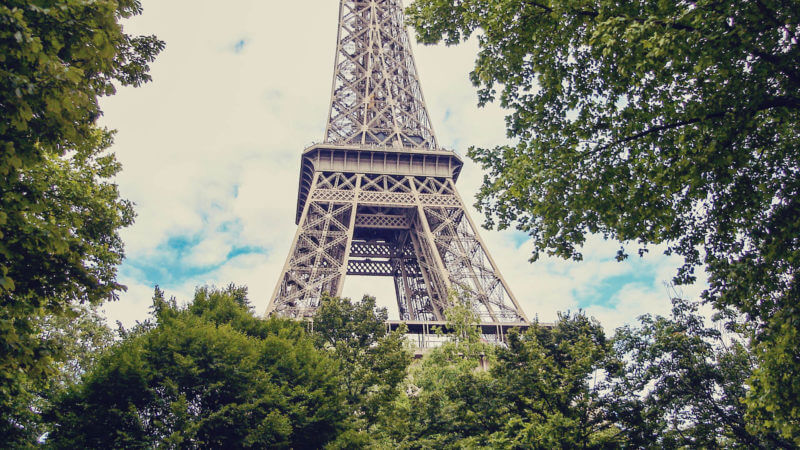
(60, 212)
(651, 122)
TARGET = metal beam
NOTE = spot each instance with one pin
(378, 197)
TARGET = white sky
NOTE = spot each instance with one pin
(211, 152)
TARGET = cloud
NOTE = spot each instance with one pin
(211, 155)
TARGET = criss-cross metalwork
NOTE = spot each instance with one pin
(378, 197)
(377, 99)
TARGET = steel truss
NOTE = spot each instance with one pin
(377, 98)
(414, 229)
(378, 198)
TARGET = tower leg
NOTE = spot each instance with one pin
(317, 261)
(414, 229)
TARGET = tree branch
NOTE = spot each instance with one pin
(778, 62)
(673, 25)
(658, 129)
(579, 12)
(539, 5)
(769, 13)
(775, 102)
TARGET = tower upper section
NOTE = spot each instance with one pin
(376, 97)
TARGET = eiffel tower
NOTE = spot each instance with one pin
(378, 197)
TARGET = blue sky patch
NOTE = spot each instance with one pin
(180, 244)
(604, 292)
(519, 238)
(169, 265)
(246, 250)
(231, 226)
(169, 268)
(167, 271)
(239, 46)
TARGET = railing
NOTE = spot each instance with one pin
(374, 147)
(424, 334)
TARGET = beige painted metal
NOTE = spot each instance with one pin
(378, 197)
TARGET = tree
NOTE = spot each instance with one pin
(541, 392)
(652, 122)
(59, 211)
(207, 375)
(78, 338)
(683, 384)
(552, 379)
(449, 402)
(373, 361)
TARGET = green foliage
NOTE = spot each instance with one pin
(462, 319)
(683, 384)
(448, 400)
(539, 393)
(207, 375)
(56, 58)
(548, 379)
(80, 336)
(61, 246)
(59, 213)
(773, 400)
(373, 361)
(211, 374)
(652, 122)
(76, 338)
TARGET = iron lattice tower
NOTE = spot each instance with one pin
(378, 197)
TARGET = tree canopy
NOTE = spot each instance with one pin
(652, 122)
(78, 338)
(208, 375)
(211, 374)
(538, 393)
(373, 360)
(60, 213)
(682, 384)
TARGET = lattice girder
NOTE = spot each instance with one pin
(376, 95)
(378, 197)
(414, 229)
